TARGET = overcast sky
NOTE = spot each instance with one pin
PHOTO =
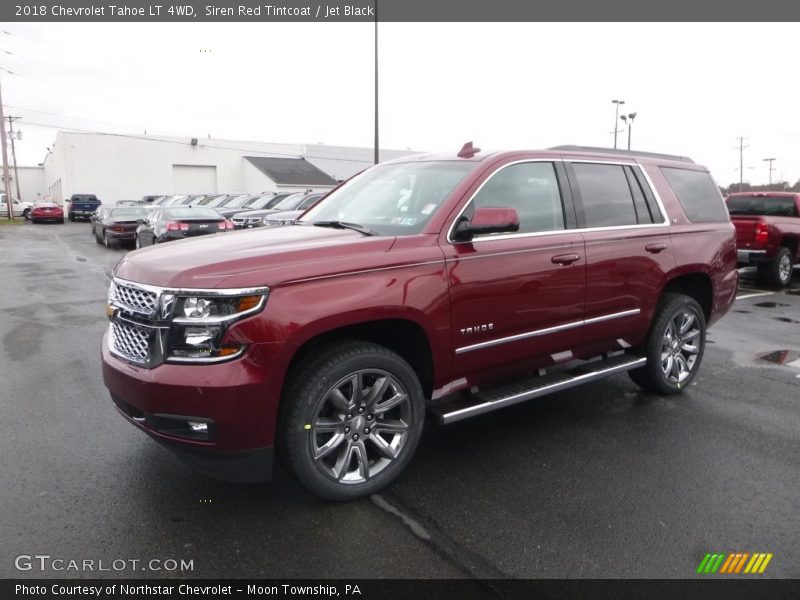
(695, 87)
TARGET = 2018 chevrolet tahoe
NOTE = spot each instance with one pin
(452, 285)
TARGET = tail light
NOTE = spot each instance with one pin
(225, 225)
(117, 228)
(173, 226)
(762, 233)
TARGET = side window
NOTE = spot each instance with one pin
(532, 189)
(605, 195)
(643, 215)
(698, 194)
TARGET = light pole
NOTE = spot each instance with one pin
(628, 120)
(616, 119)
(770, 161)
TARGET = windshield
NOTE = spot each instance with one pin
(238, 202)
(290, 202)
(216, 201)
(775, 206)
(396, 199)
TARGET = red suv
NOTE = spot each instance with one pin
(453, 284)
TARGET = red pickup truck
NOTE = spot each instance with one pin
(454, 285)
(767, 232)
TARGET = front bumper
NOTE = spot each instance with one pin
(238, 399)
(749, 258)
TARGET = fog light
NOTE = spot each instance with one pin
(198, 427)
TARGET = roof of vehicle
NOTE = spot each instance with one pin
(765, 193)
(470, 154)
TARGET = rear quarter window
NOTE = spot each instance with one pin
(698, 195)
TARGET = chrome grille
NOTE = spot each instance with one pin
(130, 341)
(135, 299)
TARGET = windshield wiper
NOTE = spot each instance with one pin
(344, 225)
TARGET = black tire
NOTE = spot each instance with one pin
(310, 400)
(777, 272)
(107, 242)
(97, 237)
(61, 220)
(26, 214)
(34, 220)
(659, 375)
(72, 217)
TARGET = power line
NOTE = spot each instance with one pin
(52, 64)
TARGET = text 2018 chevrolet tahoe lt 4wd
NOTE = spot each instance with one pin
(449, 284)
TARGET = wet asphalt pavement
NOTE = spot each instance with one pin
(601, 481)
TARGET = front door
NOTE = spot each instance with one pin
(518, 297)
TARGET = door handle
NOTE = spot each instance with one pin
(655, 248)
(564, 259)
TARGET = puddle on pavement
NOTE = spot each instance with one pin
(770, 304)
(779, 357)
(786, 320)
(746, 312)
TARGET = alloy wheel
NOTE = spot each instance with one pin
(680, 346)
(361, 426)
(785, 268)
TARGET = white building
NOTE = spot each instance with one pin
(126, 167)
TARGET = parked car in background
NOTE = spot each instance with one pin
(81, 206)
(767, 232)
(150, 198)
(255, 218)
(170, 223)
(288, 217)
(113, 226)
(257, 202)
(18, 208)
(43, 212)
(129, 203)
(456, 285)
(97, 215)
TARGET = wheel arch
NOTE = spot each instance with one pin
(401, 334)
(696, 285)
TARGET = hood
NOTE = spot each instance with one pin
(257, 257)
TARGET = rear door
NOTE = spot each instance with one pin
(628, 250)
(518, 296)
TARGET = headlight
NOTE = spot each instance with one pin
(200, 323)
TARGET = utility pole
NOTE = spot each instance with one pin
(6, 182)
(771, 169)
(741, 161)
(14, 153)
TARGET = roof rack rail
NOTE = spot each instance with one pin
(575, 148)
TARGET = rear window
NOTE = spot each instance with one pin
(127, 213)
(772, 206)
(84, 198)
(698, 194)
(191, 213)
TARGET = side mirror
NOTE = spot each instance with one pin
(487, 220)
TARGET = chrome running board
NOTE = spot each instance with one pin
(534, 387)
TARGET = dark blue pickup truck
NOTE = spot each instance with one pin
(82, 206)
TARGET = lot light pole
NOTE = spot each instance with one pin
(616, 119)
(628, 120)
(14, 153)
(377, 157)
